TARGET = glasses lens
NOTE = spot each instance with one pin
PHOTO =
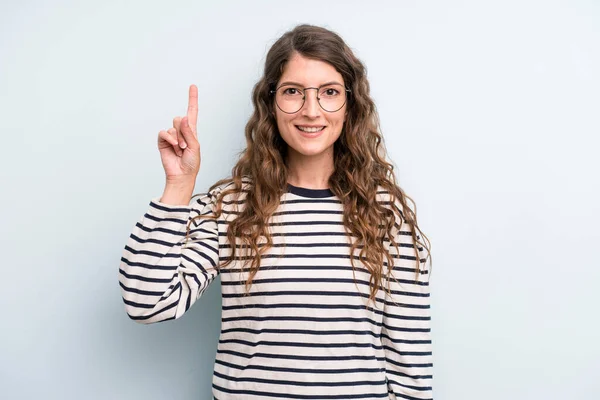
(332, 97)
(290, 99)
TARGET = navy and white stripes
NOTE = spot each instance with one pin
(303, 332)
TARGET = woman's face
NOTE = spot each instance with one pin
(304, 72)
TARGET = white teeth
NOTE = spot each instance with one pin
(310, 130)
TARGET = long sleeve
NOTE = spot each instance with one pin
(406, 331)
(160, 277)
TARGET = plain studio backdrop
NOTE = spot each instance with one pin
(490, 112)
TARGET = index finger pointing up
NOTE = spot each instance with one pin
(192, 112)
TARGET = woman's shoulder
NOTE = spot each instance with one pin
(228, 191)
(387, 197)
(391, 200)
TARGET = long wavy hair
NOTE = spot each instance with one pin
(360, 166)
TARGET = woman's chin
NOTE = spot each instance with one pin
(309, 151)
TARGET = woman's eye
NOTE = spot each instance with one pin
(291, 91)
(331, 92)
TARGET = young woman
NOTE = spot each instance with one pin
(323, 267)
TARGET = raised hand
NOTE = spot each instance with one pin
(178, 146)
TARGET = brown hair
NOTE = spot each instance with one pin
(359, 161)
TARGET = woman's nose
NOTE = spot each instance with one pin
(311, 106)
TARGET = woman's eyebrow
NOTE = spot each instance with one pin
(299, 84)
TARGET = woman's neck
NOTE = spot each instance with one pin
(310, 172)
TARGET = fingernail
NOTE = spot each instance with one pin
(183, 145)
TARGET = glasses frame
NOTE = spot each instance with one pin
(274, 91)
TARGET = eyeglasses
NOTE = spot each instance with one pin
(290, 98)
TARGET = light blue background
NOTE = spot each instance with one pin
(490, 111)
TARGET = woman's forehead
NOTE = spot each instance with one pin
(308, 72)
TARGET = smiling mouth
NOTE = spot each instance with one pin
(310, 129)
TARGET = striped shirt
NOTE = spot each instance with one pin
(303, 332)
